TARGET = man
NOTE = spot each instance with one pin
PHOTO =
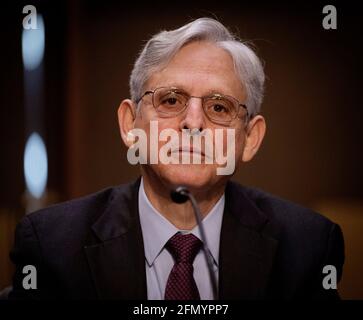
(134, 242)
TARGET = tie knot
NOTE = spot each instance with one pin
(184, 247)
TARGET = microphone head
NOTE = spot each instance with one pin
(180, 194)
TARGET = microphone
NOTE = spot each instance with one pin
(181, 195)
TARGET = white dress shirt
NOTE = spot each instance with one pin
(157, 230)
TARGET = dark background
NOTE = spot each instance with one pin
(312, 153)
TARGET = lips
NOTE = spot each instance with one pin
(190, 150)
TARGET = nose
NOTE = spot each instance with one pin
(194, 116)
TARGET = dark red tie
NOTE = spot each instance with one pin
(181, 284)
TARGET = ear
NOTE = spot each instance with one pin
(255, 132)
(126, 120)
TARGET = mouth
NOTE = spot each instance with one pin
(191, 151)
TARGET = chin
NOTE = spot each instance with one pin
(194, 177)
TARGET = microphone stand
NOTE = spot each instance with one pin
(181, 195)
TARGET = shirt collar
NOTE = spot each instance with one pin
(157, 230)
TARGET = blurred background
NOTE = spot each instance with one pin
(62, 84)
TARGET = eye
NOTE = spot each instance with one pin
(170, 101)
(218, 108)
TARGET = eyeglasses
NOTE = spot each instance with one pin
(219, 108)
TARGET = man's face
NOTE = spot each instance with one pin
(200, 69)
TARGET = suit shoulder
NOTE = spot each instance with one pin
(286, 214)
(303, 234)
(77, 213)
(75, 207)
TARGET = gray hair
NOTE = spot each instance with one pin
(162, 47)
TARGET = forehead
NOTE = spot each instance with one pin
(201, 68)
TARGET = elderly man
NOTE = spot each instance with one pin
(192, 119)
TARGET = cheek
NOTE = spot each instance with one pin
(239, 142)
(153, 126)
(168, 123)
(238, 136)
(142, 123)
(145, 116)
(169, 126)
(240, 145)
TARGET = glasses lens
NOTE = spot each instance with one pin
(169, 101)
(220, 109)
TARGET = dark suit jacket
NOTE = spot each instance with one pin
(93, 248)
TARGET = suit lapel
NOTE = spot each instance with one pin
(246, 251)
(117, 263)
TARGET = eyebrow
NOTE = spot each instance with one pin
(182, 88)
